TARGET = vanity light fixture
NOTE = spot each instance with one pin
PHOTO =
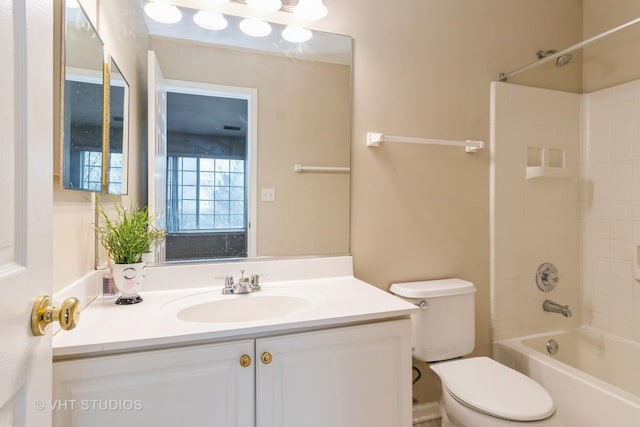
(310, 10)
(255, 27)
(266, 6)
(164, 13)
(210, 20)
(296, 34)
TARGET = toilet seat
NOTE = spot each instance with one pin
(494, 389)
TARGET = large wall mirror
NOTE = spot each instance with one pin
(219, 196)
(85, 114)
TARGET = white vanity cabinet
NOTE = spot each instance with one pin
(356, 376)
(189, 386)
(351, 376)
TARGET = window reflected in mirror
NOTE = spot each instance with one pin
(83, 133)
(207, 176)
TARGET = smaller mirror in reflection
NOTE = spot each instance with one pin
(83, 104)
(118, 130)
(83, 133)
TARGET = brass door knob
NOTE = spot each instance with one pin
(266, 358)
(245, 360)
(42, 314)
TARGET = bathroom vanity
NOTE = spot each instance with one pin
(328, 351)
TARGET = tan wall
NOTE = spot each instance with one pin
(615, 59)
(311, 212)
(423, 68)
(73, 213)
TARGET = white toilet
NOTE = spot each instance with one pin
(476, 392)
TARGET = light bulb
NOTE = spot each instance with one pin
(267, 6)
(255, 27)
(296, 34)
(310, 10)
(210, 20)
(164, 13)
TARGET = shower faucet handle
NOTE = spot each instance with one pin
(547, 277)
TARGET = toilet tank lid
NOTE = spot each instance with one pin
(433, 288)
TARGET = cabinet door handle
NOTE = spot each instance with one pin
(245, 360)
(266, 358)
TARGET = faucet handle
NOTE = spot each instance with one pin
(255, 282)
(228, 285)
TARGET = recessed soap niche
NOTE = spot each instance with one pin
(546, 162)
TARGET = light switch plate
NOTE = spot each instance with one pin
(268, 195)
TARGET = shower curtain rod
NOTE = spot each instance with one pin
(503, 77)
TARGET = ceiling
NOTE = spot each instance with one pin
(206, 115)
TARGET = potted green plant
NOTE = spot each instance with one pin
(125, 239)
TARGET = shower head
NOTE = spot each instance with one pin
(563, 60)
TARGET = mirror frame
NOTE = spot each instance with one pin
(106, 157)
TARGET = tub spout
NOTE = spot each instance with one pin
(554, 307)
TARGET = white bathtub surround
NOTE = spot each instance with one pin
(611, 209)
(533, 220)
(593, 215)
(593, 378)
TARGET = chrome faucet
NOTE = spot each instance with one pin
(245, 285)
(554, 307)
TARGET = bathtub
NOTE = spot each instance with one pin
(594, 378)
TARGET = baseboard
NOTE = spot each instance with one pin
(425, 412)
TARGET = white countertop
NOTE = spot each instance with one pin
(107, 327)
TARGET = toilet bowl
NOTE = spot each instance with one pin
(480, 392)
(476, 392)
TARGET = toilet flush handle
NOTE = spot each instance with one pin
(423, 304)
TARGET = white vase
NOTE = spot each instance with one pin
(128, 279)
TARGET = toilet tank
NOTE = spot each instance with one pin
(445, 326)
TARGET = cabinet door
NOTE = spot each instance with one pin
(191, 386)
(356, 376)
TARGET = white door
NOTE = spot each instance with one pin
(157, 116)
(345, 377)
(26, 168)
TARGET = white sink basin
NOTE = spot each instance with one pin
(262, 305)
